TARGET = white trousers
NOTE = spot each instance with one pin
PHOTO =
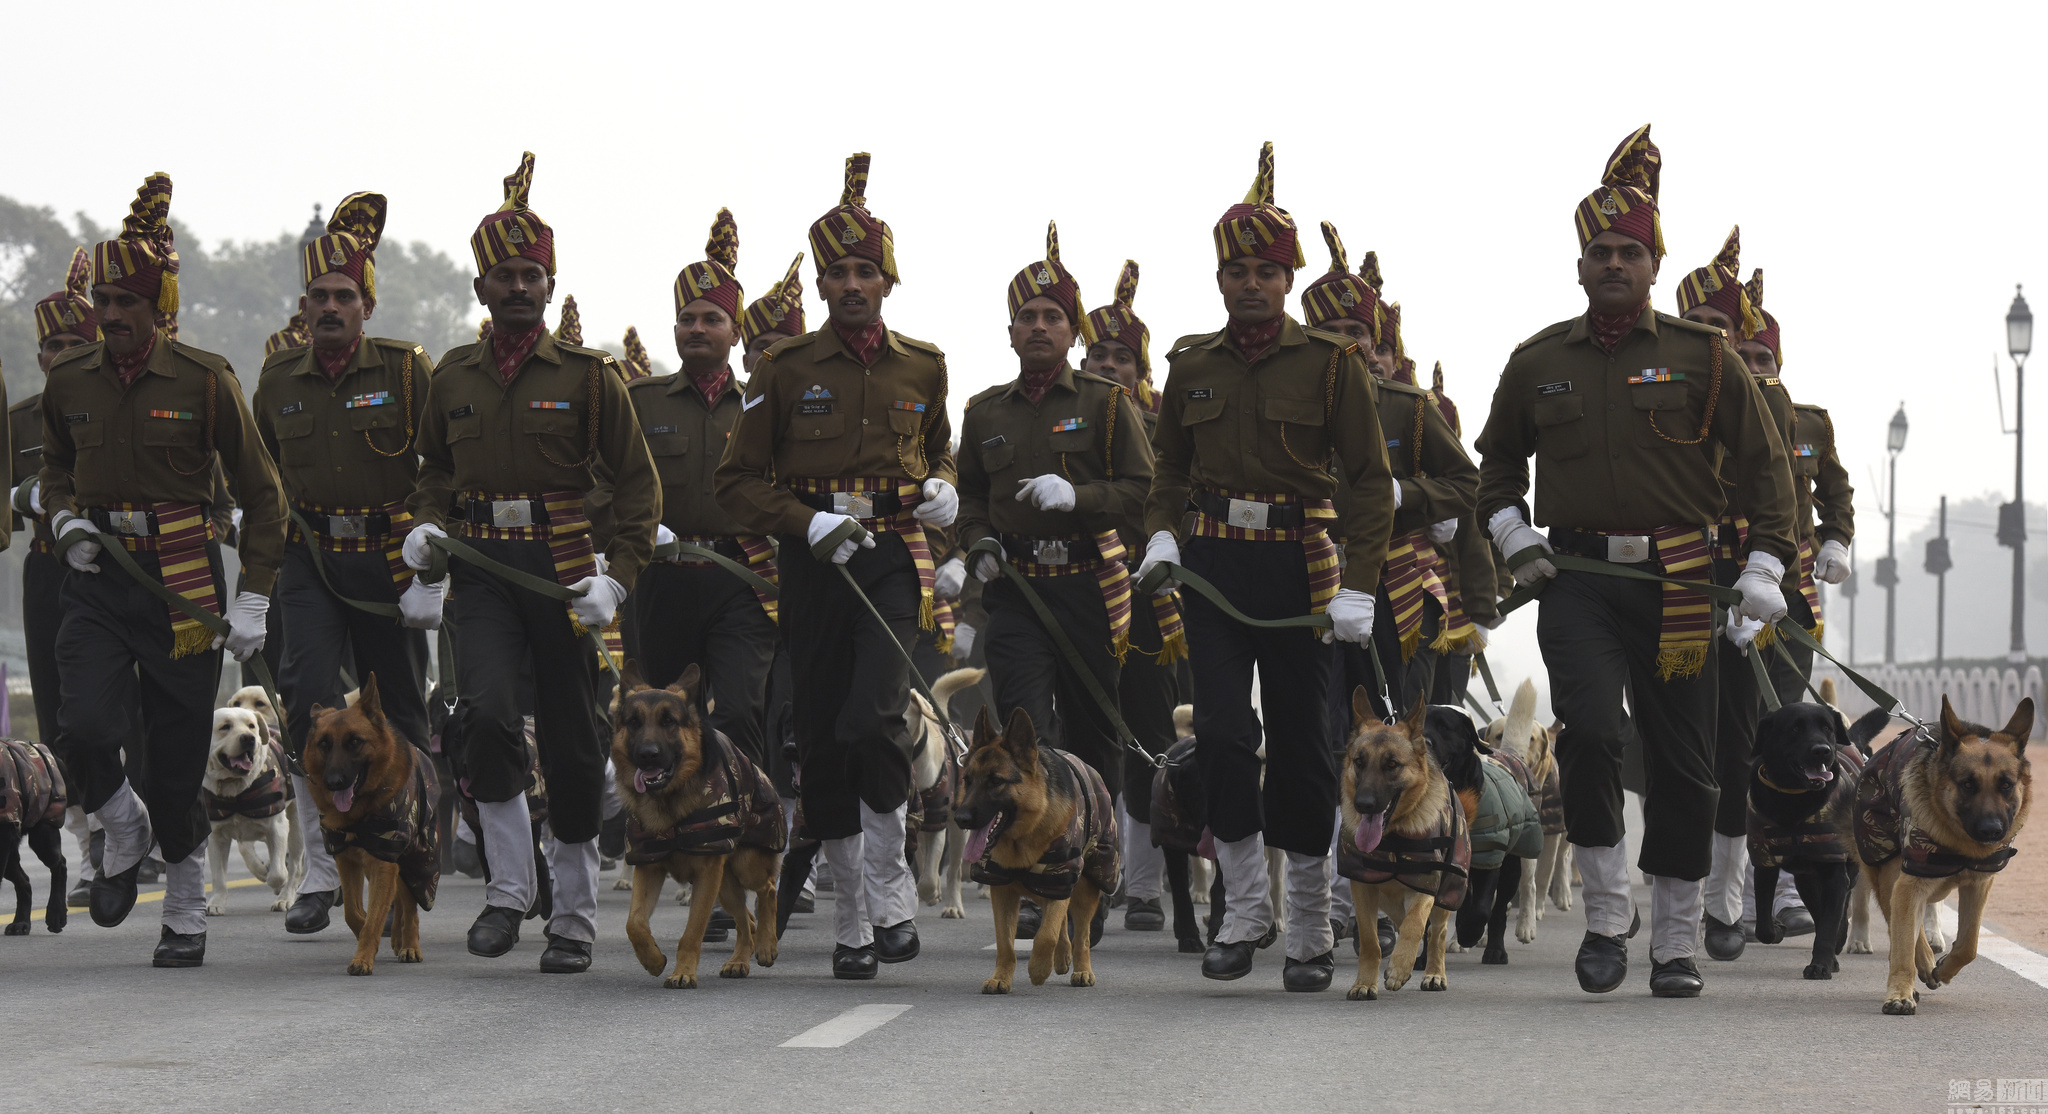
(574, 870)
(1144, 864)
(126, 823)
(1308, 905)
(871, 882)
(321, 873)
(1247, 893)
(1340, 887)
(80, 827)
(1675, 906)
(1728, 878)
(1605, 871)
(185, 894)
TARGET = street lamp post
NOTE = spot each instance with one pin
(1888, 567)
(1938, 564)
(2012, 518)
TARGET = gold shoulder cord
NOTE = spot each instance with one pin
(923, 467)
(1108, 438)
(1427, 399)
(405, 378)
(1713, 397)
(1329, 409)
(596, 395)
(212, 402)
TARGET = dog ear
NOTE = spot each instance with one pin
(1361, 708)
(686, 686)
(984, 732)
(630, 680)
(1413, 721)
(2020, 726)
(1020, 737)
(1952, 730)
(366, 700)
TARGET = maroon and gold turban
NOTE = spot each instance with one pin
(1256, 228)
(713, 279)
(293, 335)
(143, 259)
(1338, 293)
(850, 230)
(1117, 322)
(350, 245)
(1768, 334)
(483, 331)
(1443, 401)
(514, 229)
(1049, 278)
(639, 365)
(781, 310)
(569, 329)
(1390, 333)
(1626, 201)
(70, 310)
(1718, 285)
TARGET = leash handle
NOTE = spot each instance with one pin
(753, 580)
(1727, 597)
(1164, 569)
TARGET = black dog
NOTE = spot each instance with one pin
(1802, 792)
(32, 802)
(1454, 742)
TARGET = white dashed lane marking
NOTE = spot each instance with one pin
(846, 1028)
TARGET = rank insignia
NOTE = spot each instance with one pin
(1066, 424)
(380, 398)
(913, 407)
(181, 415)
(537, 404)
(1658, 375)
(817, 391)
(1394, 443)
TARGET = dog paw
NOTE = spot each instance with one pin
(1525, 933)
(1363, 992)
(1436, 982)
(996, 986)
(625, 883)
(280, 905)
(18, 928)
(1817, 971)
(216, 908)
(737, 969)
(1454, 948)
(1083, 978)
(406, 955)
(1902, 1006)
(953, 913)
(363, 968)
(1395, 982)
(1494, 957)
(928, 896)
(680, 981)
(655, 963)
(1858, 947)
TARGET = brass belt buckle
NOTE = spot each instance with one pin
(1248, 515)
(348, 526)
(135, 524)
(511, 512)
(854, 504)
(1628, 549)
(1050, 552)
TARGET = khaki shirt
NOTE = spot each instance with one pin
(1470, 572)
(1275, 427)
(25, 446)
(481, 435)
(331, 449)
(688, 440)
(1438, 481)
(1823, 484)
(104, 443)
(1607, 449)
(1085, 429)
(887, 422)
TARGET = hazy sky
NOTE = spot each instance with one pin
(1874, 156)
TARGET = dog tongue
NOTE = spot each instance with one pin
(1370, 828)
(977, 841)
(640, 780)
(343, 798)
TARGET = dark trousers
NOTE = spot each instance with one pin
(1453, 680)
(706, 616)
(1599, 640)
(1296, 806)
(1408, 681)
(1029, 670)
(114, 659)
(42, 579)
(1789, 680)
(502, 630)
(851, 682)
(1146, 693)
(1740, 705)
(327, 633)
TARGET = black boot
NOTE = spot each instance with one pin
(565, 956)
(721, 924)
(1029, 917)
(1144, 914)
(1676, 978)
(896, 943)
(853, 963)
(1724, 941)
(494, 932)
(309, 914)
(1602, 963)
(1306, 976)
(175, 949)
(1224, 962)
(112, 896)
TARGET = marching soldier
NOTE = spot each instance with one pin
(1627, 411)
(1469, 579)
(843, 437)
(773, 318)
(338, 416)
(132, 426)
(517, 432)
(1254, 416)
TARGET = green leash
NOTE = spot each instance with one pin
(384, 610)
(445, 547)
(1727, 597)
(852, 530)
(1151, 581)
(754, 580)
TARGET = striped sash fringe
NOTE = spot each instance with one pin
(183, 529)
(1687, 629)
(1413, 573)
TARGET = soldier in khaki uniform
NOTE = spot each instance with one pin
(689, 609)
(1628, 412)
(132, 428)
(1254, 416)
(338, 416)
(518, 431)
(848, 424)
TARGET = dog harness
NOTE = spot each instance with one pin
(1550, 803)
(262, 798)
(1816, 839)
(402, 831)
(1087, 849)
(1885, 827)
(1436, 862)
(741, 810)
(32, 787)
(932, 809)
(1179, 811)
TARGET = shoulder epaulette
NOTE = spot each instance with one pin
(1327, 337)
(202, 357)
(1816, 408)
(1689, 326)
(1189, 341)
(26, 403)
(922, 345)
(283, 356)
(456, 355)
(1558, 329)
(988, 393)
(662, 381)
(1091, 377)
(400, 345)
(75, 353)
(787, 344)
(599, 354)
(1399, 388)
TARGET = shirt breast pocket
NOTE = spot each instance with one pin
(1561, 427)
(89, 435)
(1072, 441)
(373, 417)
(465, 427)
(1665, 409)
(1806, 465)
(905, 423)
(998, 457)
(1198, 416)
(181, 440)
(668, 444)
(552, 423)
(293, 426)
(816, 427)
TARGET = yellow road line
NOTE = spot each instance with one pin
(158, 895)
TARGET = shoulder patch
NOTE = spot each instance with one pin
(1558, 329)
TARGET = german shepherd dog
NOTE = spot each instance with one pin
(1392, 787)
(1801, 785)
(1020, 802)
(32, 802)
(1936, 817)
(680, 774)
(378, 801)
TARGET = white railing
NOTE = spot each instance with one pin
(1985, 696)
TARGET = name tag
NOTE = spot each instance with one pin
(1066, 424)
(992, 442)
(180, 415)
(813, 409)
(1658, 375)
(462, 412)
(1548, 389)
(539, 405)
(290, 408)
(77, 419)
(661, 429)
(1201, 392)
(377, 399)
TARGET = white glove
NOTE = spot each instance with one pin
(1832, 566)
(663, 535)
(235, 518)
(1762, 596)
(951, 577)
(1047, 493)
(603, 563)
(27, 499)
(600, 600)
(963, 641)
(1493, 623)
(1350, 616)
(1160, 547)
(78, 556)
(823, 523)
(1742, 631)
(246, 630)
(1397, 494)
(1511, 535)
(940, 504)
(417, 553)
(1480, 640)
(1441, 532)
(419, 606)
(986, 567)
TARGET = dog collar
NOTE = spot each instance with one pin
(1774, 785)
